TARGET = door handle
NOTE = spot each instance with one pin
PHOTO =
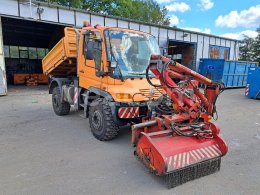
(82, 71)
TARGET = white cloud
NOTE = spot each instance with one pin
(240, 35)
(205, 30)
(178, 7)
(245, 18)
(174, 20)
(206, 4)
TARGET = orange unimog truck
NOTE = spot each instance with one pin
(102, 71)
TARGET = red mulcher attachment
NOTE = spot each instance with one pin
(180, 158)
(183, 145)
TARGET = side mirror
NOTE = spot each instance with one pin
(113, 64)
(88, 52)
(88, 55)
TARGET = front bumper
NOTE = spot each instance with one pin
(124, 112)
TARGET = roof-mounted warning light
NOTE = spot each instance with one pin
(86, 24)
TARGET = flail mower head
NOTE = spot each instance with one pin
(180, 143)
(180, 158)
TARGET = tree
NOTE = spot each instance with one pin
(256, 47)
(69, 3)
(245, 49)
(150, 11)
(143, 10)
(250, 48)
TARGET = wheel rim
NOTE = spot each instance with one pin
(55, 101)
(97, 121)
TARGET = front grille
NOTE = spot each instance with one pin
(147, 93)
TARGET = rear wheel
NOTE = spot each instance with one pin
(101, 120)
(60, 107)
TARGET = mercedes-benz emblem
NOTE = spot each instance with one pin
(152, 92)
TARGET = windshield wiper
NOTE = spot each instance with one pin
(113, 56)
(139, 73)
(136, 73)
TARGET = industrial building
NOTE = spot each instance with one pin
(29, 29)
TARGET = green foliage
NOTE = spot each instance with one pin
(245, 50)
(256, 47)
(250, 48)
(143, 10)
(69, 3)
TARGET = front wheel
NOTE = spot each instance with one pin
(60, 107)
(101, 120)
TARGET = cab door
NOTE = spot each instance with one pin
(92, 63)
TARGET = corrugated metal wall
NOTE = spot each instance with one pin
(3, 87)
(76, 17)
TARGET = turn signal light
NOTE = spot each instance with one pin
(123, 96)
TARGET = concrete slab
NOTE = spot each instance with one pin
(41, 153)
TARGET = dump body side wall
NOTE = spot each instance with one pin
(61, 60)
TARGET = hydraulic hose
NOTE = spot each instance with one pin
(148, 78)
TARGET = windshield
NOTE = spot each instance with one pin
(131, 51)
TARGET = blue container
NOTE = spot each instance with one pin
(231, 73)
(212, 68)
(235, 73)
(253, 83)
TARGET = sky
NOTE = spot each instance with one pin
(228, 18)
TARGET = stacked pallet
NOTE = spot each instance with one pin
(30, 79)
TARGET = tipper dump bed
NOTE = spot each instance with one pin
(61, 60)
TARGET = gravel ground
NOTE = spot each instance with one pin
(41, 153)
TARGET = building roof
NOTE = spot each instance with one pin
(128, 20)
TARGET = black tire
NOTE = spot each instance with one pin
(60, 107)
(101, 120)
